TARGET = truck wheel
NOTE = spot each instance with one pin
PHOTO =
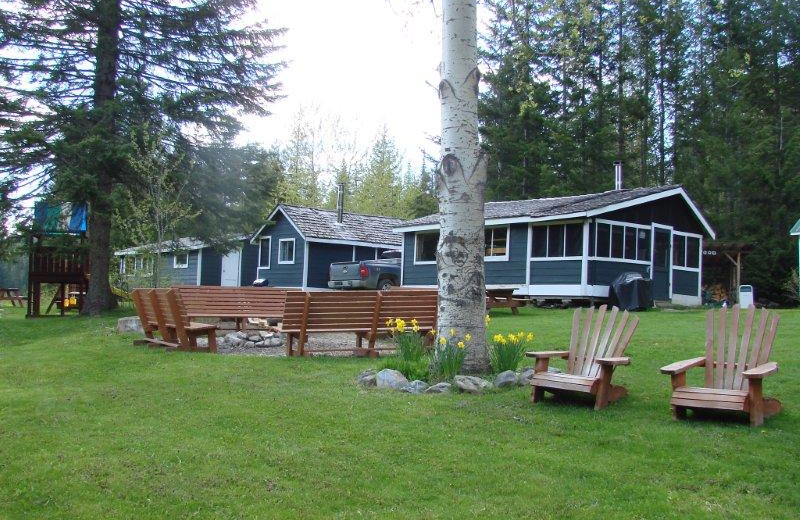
(385, 284)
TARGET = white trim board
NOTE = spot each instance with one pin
(269, 254)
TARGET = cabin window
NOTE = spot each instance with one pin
(643, 245)
(425, 247)
(603, 240)
(286, 251)
(617, 241)
(557, 241)
(264, 252)
(180, 260)
(630, 243)
(138, 263)
(679, 251)
(693, 252)
(496, 242)
(122, 262)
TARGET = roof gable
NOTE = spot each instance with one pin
(795, 229)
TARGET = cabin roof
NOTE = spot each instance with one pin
(795, 229)
(321, 225)
(570, 206)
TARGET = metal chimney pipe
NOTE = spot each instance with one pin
(617, 175)
(339, 203)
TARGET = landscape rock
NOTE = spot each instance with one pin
(241, 335)
(526, 374)
(367, 377)
(202, 342)
(504, 379)
(439, 388)
(255, 338)
(249, 344)
(415, 387)
(130, 324)
(388, 378)
(471, 384)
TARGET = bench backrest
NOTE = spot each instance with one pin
(323, 310)
(144, 308)
(729, 352)
(409, 304)
(245, 302)
(598, 335)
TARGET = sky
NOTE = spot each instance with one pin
(368, 63)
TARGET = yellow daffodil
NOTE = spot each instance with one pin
(530, 336)
(497, 337)
(467, 337)
(487, 319)
(512, 338)
(442, 341)
(432, 332)
(415, 327)
(401, 326)
(389, 322)
(452, 332)
(414, 321)
(460, 344)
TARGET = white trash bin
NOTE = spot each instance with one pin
(747, 296)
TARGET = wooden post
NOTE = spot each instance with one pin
(304, 325)
(756, 400)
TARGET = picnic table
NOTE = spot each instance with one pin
(499, 298)
(12, 294)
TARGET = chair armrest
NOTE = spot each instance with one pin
(548, 354)
(614, 361)
(682, 366)
(761, 370)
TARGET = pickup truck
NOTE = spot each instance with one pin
(367, 274)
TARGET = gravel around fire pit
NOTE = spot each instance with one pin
(321, 340)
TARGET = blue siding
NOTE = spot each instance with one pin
(512, 271)
(684, 282)
(249, 263)
(210, 267)
(604, 272)
(555, 272)
(415, 274)
(283, 275)
(172, 276)
(320, 257)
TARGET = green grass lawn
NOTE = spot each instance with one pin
(93, 427)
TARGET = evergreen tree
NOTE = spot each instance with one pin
(79, 76)
(380, 191)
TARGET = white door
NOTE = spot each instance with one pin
(230, 269)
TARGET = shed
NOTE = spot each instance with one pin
(574, 246)
(297, 245)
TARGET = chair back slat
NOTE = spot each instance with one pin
(580, 356)
(617, 343)
(591, 349)
(744, 344)
(731, 349)
(605, 346)
(573, 338)
(733, 338)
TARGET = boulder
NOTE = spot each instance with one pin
(265, 334)
(202, 342)
(504, 379)
(130, 324)
(249, 344)
(471, 384)
(366, 378)
(526, 374)
(241, 335)
(255, 338)
(275, 341)
(388, 378)
(415, 387)
(439, 388)
(260, 344)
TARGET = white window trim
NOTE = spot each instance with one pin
(269, 253)
(610, 258)
(547, 245)
(686, 236)
(416, 241)
(498, 258)
(176, 265)
(294, 252)
(122, 264)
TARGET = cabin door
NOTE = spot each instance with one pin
(230, 269)
(662, 263)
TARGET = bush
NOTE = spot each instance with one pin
(417, 369)
(506, 352)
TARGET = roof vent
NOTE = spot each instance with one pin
(617, 175)
(339, 203)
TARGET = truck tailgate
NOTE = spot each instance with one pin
(344, 271)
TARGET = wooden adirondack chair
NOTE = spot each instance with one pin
(734, 367)
(594, 350)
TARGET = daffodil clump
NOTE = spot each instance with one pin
(448, 355)
(410, 344)
(506, 351)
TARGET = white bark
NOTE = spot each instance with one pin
(461, 184)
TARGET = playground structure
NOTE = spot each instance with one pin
(57, 256)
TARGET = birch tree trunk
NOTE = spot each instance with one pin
(460, 185)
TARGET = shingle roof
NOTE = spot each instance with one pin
(553, 206)
(322, 224)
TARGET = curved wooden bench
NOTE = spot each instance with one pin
(237, 303)
(162, 310)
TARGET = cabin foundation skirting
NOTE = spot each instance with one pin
(684, 299)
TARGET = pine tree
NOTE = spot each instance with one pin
(79, 76)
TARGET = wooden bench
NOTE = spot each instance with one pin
(734, 367)
(13, 295)
(237, 303)
(363, 313)
(502, 298)
(162, 310)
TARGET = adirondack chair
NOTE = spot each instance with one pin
(595, 349)
(734, 367)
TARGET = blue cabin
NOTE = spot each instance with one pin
(574, 247)
(297, 245)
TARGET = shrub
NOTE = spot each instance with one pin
(448, 356)
(506, 352)
(417, 369)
